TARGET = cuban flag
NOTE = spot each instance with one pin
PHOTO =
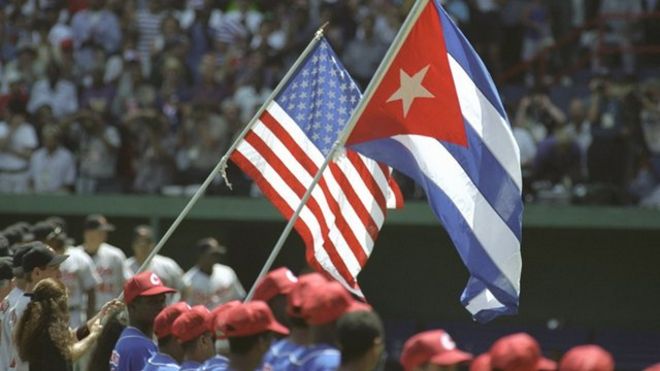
(433, 113)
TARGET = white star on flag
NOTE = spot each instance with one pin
(411, 88)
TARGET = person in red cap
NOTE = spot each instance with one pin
(192, 330)
(361, 339)
(321, 309)
(273, 289)
(144, 295)
(170, 353)
(249, 327)
(277, 357)
(587, 358)
(516, 352)
(217, 321)
(431, 350)
(655, 367)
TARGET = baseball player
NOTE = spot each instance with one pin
(273, 289)
(170, 353)
(108, 260)
(166, 268)
(209, 282)
(192, 330)
(361, 339)
(78, 271)
(217, 320)
(144, 295)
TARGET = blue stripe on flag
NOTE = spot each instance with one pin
(457, 45)
(473, 289)
(491, 178)
(472, 252)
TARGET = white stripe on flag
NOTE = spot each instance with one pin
(487, 122)
(483, 301)
(491, 231)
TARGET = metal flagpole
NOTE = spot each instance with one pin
(222, 164)
(414, 13)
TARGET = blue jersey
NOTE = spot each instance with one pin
(277, 357)
(132, 351)
(161, 362)
(216, 363)
(190, 366)
(319, 357)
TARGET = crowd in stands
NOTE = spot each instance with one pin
(136, 96)
(63, 309)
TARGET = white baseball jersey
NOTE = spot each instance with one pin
(78, 275)
(15, 314)
(109, 262)
(166, 268)
(6, 340)
(222, 286)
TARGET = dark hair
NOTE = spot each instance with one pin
(243, 344)
(164, 341)
(100, 356)
(356, 332)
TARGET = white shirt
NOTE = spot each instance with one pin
(63, 98)
(222, 286)
(6, 340)
(78, 275)
(24, 137)
(109, 263)
(15, 314)
(50, 172)
(165, 268)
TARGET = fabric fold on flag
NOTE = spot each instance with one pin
(283, 151)
(436, 116)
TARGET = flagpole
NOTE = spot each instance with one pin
(222, 164)
(378, 76)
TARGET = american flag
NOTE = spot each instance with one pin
(284, 149)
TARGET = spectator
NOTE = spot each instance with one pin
(95, 28)
(43, 336)
(434, 347)
(17, 141)
(55, 91)
(209, 90)
(165, 268)
(108, 259)
(249, 328)
(273, 289)
(586, 358)
(192, 329)
(537, 34)
(26, 64)
(155, 164)
(363, 54)
(486, 29)
(144, 295)
(361, 340)
(52, 167)
(148, 21)
(170, 352)
(579, 128)
(217, 321)
(558, 160)
(211, 283)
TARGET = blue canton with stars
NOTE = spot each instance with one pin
(320, 97)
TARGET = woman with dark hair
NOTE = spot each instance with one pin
(100, 357)
(43, 336)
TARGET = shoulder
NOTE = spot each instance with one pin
(110, 250)
(224, 270)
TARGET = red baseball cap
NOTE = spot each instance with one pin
(277, 282)
(655, 367)
(587, 358)
(326, 304)
(481, 363)
(218, 316)
(191, 324)
(306, 284)
(164, 320)
(434, 346)
(519, 352)
(144, 284)
(251, 318)
(358, 306)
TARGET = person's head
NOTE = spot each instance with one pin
(249, 328)
(47, 309)
(306, 284)
(53, 71)
(143, 241)
(163, 322)
(144, 295)
(210, 252)
(516, 352)
(361, 338)
(48, 233)
(96, 230)
(430, 350)
(41, 262)
(576, 111)
(322, 308)
(191, 329)
(6, 276)
(587, 358)
(274, 288)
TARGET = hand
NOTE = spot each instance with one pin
(95, 328)
(111, 307)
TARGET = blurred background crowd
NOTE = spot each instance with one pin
(136, 96)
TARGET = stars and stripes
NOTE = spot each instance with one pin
(288, 144)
